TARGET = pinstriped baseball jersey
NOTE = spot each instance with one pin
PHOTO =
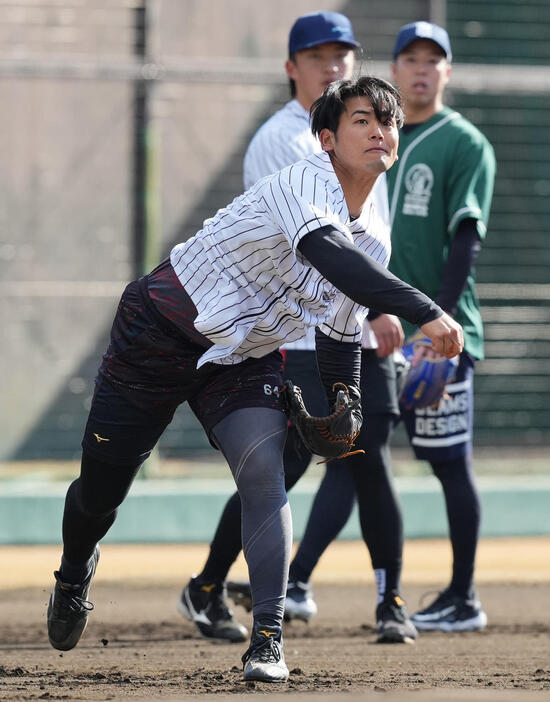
(284, 139)
(252, 288)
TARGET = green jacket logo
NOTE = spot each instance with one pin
(419, 181)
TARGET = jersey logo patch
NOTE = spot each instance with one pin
(418, 183)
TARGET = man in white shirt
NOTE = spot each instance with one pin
(320, 49)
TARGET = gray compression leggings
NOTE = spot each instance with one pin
(252, 441)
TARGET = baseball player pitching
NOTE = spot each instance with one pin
(205, 327)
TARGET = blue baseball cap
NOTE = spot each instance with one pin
(422, 30)
(320, 28)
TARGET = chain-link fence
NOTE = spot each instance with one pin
(124, 125)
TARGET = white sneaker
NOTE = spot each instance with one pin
(299, 602)
(264, 660)
(450, 613)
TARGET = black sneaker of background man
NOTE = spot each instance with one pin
(205, 604)
(393, 624)
(451, 612)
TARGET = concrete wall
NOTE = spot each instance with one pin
(187, 511)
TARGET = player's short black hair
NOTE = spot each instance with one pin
(384, 97)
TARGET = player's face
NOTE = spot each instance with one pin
(421, 71)
(313, 69)
(362, 145)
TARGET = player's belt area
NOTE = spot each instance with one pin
(171, 305)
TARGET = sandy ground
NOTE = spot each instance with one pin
(137, 647)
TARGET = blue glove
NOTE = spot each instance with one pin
(424, 384)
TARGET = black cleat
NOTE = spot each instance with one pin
(393, 624)
(239, 591)
(450, 613)
(68, 610)
(205, 604)
(264, 660)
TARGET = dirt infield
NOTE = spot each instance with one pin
(137, 646)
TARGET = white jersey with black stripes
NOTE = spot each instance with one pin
(285, 138)
(252, 288)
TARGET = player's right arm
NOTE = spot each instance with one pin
(369, 284)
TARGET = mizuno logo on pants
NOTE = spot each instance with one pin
(99, 439)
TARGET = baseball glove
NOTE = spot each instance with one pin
(331, 436)
(424, 384)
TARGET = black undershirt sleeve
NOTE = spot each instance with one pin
(373, 314)
(338, 362)
(463, 254)
(364, 280)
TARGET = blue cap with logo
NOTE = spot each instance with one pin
(320, 28)
(422, 30)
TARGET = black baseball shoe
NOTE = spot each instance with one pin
(241, 594)
(450, 612)
(68, 610)
(299, 603)
(206, 605)
(264, 659)
(393, 624)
